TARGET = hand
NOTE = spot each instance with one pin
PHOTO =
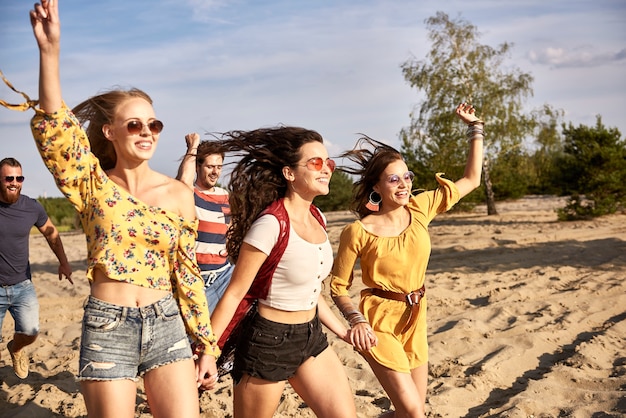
(206, 372)
(65, 270)
(466, 112)
(362, 337)
(192, 140)
(46, 26)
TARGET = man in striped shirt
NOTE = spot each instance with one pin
(203, 161)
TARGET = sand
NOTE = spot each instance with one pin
(527, 318)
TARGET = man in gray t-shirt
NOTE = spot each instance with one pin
(18, 214)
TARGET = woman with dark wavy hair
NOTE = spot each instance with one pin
(278, 242)
(391, 241)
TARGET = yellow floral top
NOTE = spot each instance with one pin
(127, 239)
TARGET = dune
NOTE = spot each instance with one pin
(527, 318)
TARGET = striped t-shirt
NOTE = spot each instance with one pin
(213, 212)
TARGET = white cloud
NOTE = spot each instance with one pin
(332, 66)
(578, 57)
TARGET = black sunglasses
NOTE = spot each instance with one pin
(135, 127)
(9, 179)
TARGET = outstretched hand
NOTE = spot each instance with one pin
(466, 113)
(46, 26)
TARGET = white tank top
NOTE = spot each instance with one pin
(297, 281)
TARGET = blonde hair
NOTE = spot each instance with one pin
(100, 110)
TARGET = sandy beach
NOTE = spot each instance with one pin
(527, 318)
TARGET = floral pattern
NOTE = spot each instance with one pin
(127, 239)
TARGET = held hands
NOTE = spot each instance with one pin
(467, 113)
(206, 372)
(46, 26)
(362, 337)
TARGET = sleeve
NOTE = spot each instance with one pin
(188, 288)
(263, 234)
(436, 201)
(66, 152)
(347, 254)
(42, 216)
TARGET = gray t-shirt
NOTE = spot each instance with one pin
(16, 221)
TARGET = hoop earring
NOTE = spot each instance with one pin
(373, 204)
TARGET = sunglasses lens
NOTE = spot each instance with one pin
(315, 164)
(9, 179)
(156, 126)
(134, 127)
(409, 176)
(393, 179)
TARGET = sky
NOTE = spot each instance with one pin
(333, 66)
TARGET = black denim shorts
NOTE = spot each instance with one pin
(273, 351)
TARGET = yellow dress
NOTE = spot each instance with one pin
(397, 264)
(127, 239)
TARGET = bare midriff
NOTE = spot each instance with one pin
(286, 317)
(123, 294)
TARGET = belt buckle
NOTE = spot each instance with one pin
(409, 298)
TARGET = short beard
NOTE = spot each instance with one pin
(9, 198)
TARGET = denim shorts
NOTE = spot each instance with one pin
(273, 351)
(21, 301)
(120, 342)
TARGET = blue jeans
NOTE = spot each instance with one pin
(215, 284)
(21, 301)
(121, 342)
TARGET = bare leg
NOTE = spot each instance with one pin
(322, 382)
(172, 390)
(256, 398)
(109, 399)
(22, 340)
(406, 391)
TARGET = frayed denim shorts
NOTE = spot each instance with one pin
(273, 351)
(121, 342)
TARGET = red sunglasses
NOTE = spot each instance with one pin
(135, 127)
(316, 164)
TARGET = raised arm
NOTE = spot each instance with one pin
(47, 30)
(187, 168)
(474, 165)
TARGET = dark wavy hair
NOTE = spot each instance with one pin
(257, 178)
(371, 158)
(100, 110)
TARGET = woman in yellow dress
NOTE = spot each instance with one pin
(392, 243)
